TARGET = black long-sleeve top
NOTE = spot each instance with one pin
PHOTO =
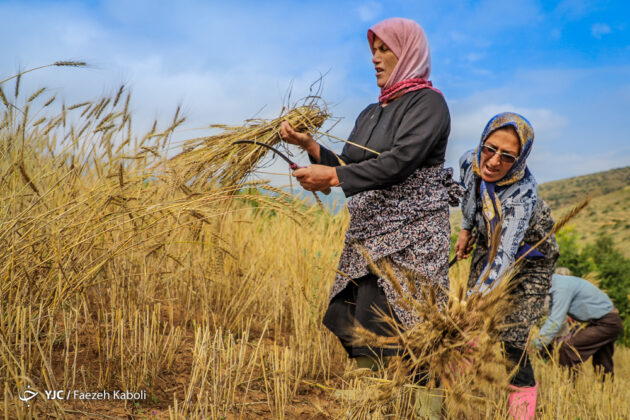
(409, 133)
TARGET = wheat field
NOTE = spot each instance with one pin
(124, 269)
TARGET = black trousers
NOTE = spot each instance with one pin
(525, 374)
(360, 303)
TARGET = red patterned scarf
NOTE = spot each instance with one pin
(398, 89)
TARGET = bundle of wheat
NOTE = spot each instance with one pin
(456, 345)
(218, 159)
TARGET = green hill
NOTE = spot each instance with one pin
(570, 191)
(607, 214)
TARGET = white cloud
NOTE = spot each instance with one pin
(470, 116)
(468, 123)
(76, 35)
(467, 39)
(475, 56)
(369, 11)
(224, 63)
(480, 72)
(212, 65)
(491, 15)
(556, 33)
(547, 166)
(575, 9)
(600, 29)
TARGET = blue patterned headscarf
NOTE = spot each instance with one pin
(492, 212)
(525, 134)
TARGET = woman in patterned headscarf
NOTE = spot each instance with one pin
(500, 190)
(400, 190)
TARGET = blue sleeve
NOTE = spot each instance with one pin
(467, 224)
(516, 216)
(465, 177)
(560, 303)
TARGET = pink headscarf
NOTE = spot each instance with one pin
(408, 42)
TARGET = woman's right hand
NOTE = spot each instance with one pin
(464, 244)
(288, 134)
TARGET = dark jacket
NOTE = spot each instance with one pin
(409, 133)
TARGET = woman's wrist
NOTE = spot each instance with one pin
(313, 149)
(334, 179)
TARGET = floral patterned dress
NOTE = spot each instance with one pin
(408, 224)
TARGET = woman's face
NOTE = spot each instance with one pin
(384, 61)
(495, 162)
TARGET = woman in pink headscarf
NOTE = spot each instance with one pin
(399, 210)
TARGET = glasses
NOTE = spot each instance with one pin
(490, 151)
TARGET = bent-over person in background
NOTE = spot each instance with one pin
(584, 302)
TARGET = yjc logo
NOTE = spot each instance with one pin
(54, 395)
(26, 395)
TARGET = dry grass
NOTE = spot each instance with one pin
(118, 275)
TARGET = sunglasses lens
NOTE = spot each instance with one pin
(489, 152)
(486, 150)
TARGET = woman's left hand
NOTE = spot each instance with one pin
(317, 178)
(464, 244)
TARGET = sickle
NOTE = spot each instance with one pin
(292, 165)
(453, 261)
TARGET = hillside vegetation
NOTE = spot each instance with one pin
(608, 213)
(565, 192)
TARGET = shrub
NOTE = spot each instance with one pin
(571, 255)
(611, 267)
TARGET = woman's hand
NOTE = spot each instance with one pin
(303, 140)
(288, 134)
(317, 178)
(464, 244)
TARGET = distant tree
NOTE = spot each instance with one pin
(610, 266)
(614, 273)
(571, 255)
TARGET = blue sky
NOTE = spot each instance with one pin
(564, 65)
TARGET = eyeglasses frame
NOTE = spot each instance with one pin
(502, 155)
